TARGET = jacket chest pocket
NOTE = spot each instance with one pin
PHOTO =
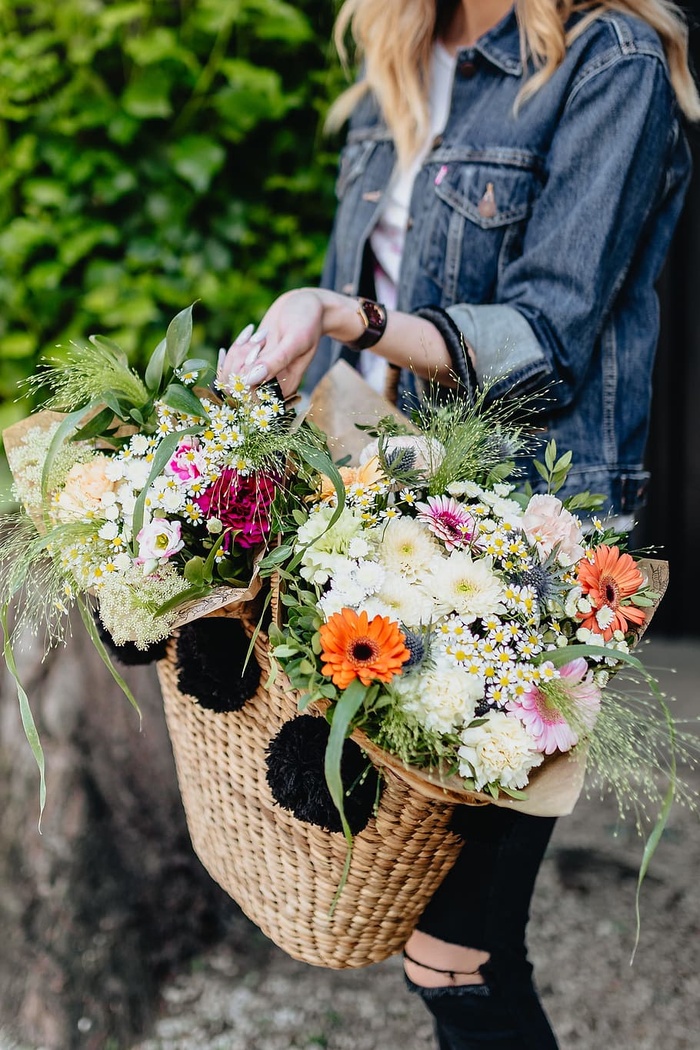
(475, 227)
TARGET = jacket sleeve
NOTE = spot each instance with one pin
(608, 170)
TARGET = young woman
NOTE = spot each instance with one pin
(508, 191)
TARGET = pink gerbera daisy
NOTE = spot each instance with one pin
(559, 711)
(448, 520)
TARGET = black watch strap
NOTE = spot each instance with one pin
(373, 316)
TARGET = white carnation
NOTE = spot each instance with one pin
(442, 697)
(500, 751)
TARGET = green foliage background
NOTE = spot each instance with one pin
(155, 152)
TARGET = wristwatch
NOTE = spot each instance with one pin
(373, 317)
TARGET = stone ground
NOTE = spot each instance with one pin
(245, 994)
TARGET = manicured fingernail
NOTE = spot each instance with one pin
(256, 375)
(245, 335)
(252, 356)
(260, 336)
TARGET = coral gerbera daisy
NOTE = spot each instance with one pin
(558, 712)
(355, 647)
(448, 520)
(606, 581)
(367, 475)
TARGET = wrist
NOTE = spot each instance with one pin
(342, 318)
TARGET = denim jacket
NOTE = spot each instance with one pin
(540, 234)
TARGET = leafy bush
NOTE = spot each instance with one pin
(155, 153)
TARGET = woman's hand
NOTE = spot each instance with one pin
(284, 344)
(290, 332)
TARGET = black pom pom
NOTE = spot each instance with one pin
(295, 774)
(211, 655)
(128, 653)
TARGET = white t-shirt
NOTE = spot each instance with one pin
(388, 236)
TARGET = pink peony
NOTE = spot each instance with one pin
(448, 520)
(187, 462)
(241, 502)
(540, 708)
(547, 524)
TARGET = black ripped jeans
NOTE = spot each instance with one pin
(484, 903)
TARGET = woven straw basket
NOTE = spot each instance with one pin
(284, 873)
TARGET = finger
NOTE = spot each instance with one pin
(244, 335)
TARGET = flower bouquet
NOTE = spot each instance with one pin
(472, 637)
(145, 496)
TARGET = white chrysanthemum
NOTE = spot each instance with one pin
(401, 600)
(499, 751)
(442, 697)
(465, 585)
(405, 547)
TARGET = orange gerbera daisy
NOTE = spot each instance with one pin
(607, 581)
(353, 647)
(370, 473)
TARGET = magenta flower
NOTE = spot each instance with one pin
(242, 503)
(448, 520)
(545, 708)
(186, 462)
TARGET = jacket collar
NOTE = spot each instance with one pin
(500, 46)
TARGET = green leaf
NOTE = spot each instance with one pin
(97, 425)
(148, 95)
(542, 471)
(28, 723)
(91, 628)
(349, 703)
(550, 455)
(178, 337)
(197, 159)
(155, 367)
(194, 571)
(181, 399)
(283, 652)
(163, 453)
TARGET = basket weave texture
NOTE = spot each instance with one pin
(284, 873)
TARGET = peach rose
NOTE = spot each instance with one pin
(83, 489)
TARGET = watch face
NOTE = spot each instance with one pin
(374, 314)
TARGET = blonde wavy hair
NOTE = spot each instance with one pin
(394, 38)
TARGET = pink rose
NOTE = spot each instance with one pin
(547, 524)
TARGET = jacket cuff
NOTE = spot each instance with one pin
(504, 342)
(456, 347)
